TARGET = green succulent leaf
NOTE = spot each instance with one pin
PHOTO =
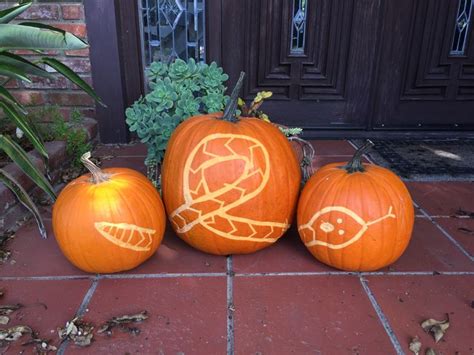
(19, 156)
(24, 199)
(11, 71)
(22, 64)
(10, 99)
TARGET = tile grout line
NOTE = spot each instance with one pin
(445, 233)
(382, 318)
(230, 306)
(81, 310)
(347, 273)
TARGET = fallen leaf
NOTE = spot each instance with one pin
(463, 213)
(14, 333)
(430, 351)
(42, 346)
(415, 346)
(466, 230)
(78, 331)
(6, 309)
(4, 320)
(435, 327)
(122, 323)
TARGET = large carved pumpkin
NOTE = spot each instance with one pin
(108, 221)
(229, 185)
(354, 216)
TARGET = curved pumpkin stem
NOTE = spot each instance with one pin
(98, 175)
(231, 107)
(355, 165)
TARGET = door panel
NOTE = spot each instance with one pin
(423, 83)
(327, 83)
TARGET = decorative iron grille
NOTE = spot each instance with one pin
(298, 26)
(172, 29)
(461, 27)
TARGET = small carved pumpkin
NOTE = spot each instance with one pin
(229, 185)
(108, 221)
(354, 216)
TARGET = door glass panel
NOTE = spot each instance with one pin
(461, 27)
(172, 29)
(298, 27)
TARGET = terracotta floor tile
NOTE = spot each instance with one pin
(175, 256)
(443, 198)
(187, 316)
(408, 300)
(306, 315)
(133, 149)
(430, 250)
(332, 147)
(33, 256)
(286, 255)
(47, 305)
(461, 229)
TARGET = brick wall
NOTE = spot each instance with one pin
(68, 15)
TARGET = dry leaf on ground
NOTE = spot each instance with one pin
(42, 346)
(435, 327)
(463, 214)
(415, 346)
(78, 331)
(430, 351)
(466, 230)
(122, 323)
(14, 333)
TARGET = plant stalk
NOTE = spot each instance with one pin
(98, 176)
(231, 107)
(355, 165)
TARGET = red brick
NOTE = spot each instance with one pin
(57, 82)
(12, 84)
(69, 99)
(72, 12)
(78, 65)
(78, 29)
(41, 12)
(26, 97)
(78, 53)
(27, 52)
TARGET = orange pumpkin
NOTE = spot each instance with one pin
(229, 185)
(108, 221)
(354, 216)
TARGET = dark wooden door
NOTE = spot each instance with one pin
(426, 66)
(366, 65)
(323, 84)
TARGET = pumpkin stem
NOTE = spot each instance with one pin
(231, 107)
(355, 165)
(98, 175)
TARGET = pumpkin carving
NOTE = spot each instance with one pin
(229, 184)
(354, 216)
(108, 221)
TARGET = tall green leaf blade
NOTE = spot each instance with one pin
(10, 99)
(19, 156)
(12, 71)
(25, 200)
(22, 64)
(9, 14)
(33, 36)
(22, 123)
(69, 74)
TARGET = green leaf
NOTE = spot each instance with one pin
(22, 123)
(12, 71)
(9, 14)
(69, 74)
(24, 65)
(25, 200)
(29, 35)
(10, 99)
(19, 156)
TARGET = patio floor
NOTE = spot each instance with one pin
(277, 301)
